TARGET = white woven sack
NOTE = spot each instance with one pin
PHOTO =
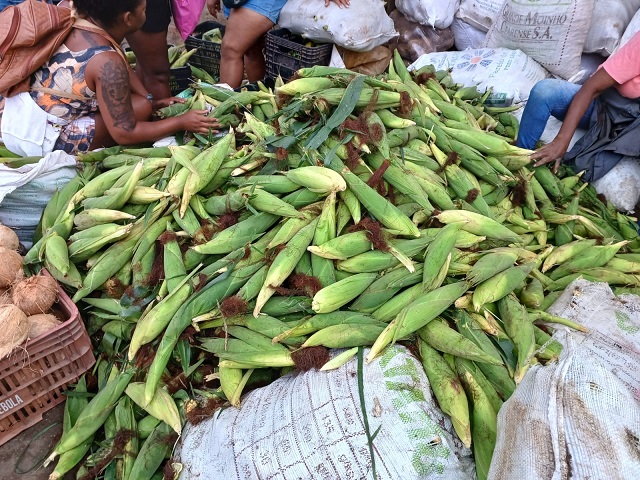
(479, 13)
(621, 184)
(610, 19)
(310, 426)
(466, 35)
(361, 27)
(570, 419)
(551, 32)
(25, 191)
(632, 29)
(435, 13)
(511, 74)
(578, 418)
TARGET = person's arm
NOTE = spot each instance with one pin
(213, 6)
(113, 90)
(592, 88)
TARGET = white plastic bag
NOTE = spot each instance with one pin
(510, 73)
(589, 63)
(578, 418)
(551, 32)
(361, 27)
(435, 13)
(310, 426)
(610, 19)
(466, 35)
(479, 13)
(25, 191)
(621, 184)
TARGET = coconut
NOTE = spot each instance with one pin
(14, 328)
(8, 238)
(41, 323)
(10, 266)
(35, 294)
(5, 296)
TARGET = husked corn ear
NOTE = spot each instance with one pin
(284, 263)
(417, 314)
(257, 360)
(233, 382)
(499, 285)
(489, 265)
(344, 246)
(305, 85)
(347, 335)
(519, 327)
(162, 406)
(479, 224)
(334, 296)
(339, 360)
(317, 322)
(317, 179)
(437, 334)
(448, 391)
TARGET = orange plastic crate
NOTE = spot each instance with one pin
(34, 376)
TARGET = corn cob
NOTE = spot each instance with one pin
(162, 406)
(448, 391)
(520, 329)
(284, 264)
(152, 453)
(93, 415)
(334, 296)
(417, 314)
(437, 334)
(125, 421)
(500, 285)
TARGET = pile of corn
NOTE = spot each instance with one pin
(347, 211)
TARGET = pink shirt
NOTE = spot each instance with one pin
(624, 68)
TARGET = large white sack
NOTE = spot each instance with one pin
(551, 32)
(610, 19)
(436, 13)
(632, 29)
(479, 13)
(361, 27)
(511, 74)
(25, 191)
(621, 184)
(578, 418)
(466, 35)
(310, 426)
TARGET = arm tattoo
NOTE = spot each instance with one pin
(114, 81)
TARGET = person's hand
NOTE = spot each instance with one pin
(165, 102)
(340, 3)
(198, 122)
(552, 152)
(213, 6)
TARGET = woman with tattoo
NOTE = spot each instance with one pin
(86, 96)
(244, 36)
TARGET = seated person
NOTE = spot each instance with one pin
(86, 96)
(607, 104)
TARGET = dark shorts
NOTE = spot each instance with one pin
(158, 16)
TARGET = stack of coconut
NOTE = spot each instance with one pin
(25, 302)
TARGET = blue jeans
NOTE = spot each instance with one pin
(548, 97)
